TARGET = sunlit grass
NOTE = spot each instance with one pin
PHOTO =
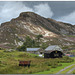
(55, 70)
(9, 63)
(65, 71)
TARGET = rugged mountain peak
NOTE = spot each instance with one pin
(30, 23)
(27, 14)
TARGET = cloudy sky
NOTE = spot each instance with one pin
(58, 10)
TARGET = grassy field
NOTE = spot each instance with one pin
(65, 71)
(73, 72)
(54, 71)
(9, 63)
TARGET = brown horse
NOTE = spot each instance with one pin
(24, 63)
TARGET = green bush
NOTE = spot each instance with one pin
(21, 48)
(0, 48)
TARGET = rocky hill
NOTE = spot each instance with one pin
(29, 23)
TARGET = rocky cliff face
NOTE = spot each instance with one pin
(29, 23)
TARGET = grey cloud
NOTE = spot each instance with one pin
(11, 10)
(58, 10)
(70, 18)
(43, 10)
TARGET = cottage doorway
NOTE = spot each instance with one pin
(41, 52)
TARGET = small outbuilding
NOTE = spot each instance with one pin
(53, 51)
(35, 50)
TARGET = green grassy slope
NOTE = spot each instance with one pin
(9, 63)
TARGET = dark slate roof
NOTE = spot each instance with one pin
(53, 47)
(33, 49)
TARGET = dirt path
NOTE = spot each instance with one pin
(71, 70)
(65, 69)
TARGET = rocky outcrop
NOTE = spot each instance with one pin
(29, 23)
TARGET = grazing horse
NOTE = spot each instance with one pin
(24, 63)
